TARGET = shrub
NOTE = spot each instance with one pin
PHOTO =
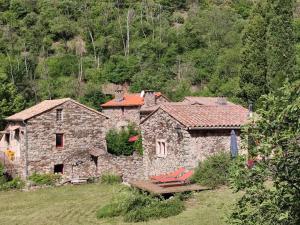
(118, 141)
(44, 179)
(108, 211)
(214, 171)
(15, 183)
(110, 178)
(136, 207)
(158, 208)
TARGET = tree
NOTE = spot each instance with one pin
(272, 186)
(10, 101)
(253, 70)
(280, 43)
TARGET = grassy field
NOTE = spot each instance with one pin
(78, 205)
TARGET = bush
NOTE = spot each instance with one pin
(111, 210)
(118, 141)
(157, 208)
(15, 183)
(44, 179)
(110, 178)
(214, 171)
(136, 207)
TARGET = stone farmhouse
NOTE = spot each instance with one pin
(60, 136)
(125, 107)
(64, 136)
(177, 135)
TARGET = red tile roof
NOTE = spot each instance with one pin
(43, 107)
(203, 116)
(128, 100)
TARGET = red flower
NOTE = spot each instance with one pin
(133, 138)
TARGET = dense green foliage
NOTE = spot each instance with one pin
(118, 141)
(44, 179)
(8, 183)
(213, 171)
(10, 101)
(110, 178)
(71, 48)
(136, 207)
(272, 191)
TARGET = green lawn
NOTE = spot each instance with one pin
(78, 205)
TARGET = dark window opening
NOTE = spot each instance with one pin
(59, 140)
(59, 168)
(7, 138)
(17, 134)
(59, 116)
(123, 111)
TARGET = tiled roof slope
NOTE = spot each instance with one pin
(204, 116)
(128, 100)
(42, 107)
(203, 100)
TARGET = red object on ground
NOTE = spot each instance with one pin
(250, 163)
(176, 173)
(184, 178)
(133, 138)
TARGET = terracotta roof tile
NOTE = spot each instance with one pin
(128, 100)
(208, 116)
(42, 107)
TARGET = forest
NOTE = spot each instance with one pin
(72, 48)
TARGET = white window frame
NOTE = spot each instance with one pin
(161, 148)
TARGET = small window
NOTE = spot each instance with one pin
(7, 138)
(161, 148)
(59, 168)
(59, 115)
(59, 140)
(123, 111)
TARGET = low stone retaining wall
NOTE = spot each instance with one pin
(129, 167)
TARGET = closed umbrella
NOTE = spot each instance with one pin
(233, 144)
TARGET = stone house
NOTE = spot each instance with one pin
(183, 134)
(126, 107)
(59, 136)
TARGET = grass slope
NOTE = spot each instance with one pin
(78, 205)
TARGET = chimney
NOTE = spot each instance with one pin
(149, 98)
(250, 110)
(119, 95)
(222, 101)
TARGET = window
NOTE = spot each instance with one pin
(59, 140)
(59, 168)
(161, 148)
(123, 111)
(59, 115)
(7, 138)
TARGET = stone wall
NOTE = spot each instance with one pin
(129, 167)
(204, 143)
(121, 116)
(83, 131)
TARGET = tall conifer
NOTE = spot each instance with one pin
(280, 43)
(254, 60)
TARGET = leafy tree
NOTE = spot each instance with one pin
(10, 101)
(272, 186)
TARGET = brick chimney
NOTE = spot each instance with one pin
(149, 98)
(222, 101)
(119, 95)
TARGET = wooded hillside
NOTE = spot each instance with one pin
(70, 48)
